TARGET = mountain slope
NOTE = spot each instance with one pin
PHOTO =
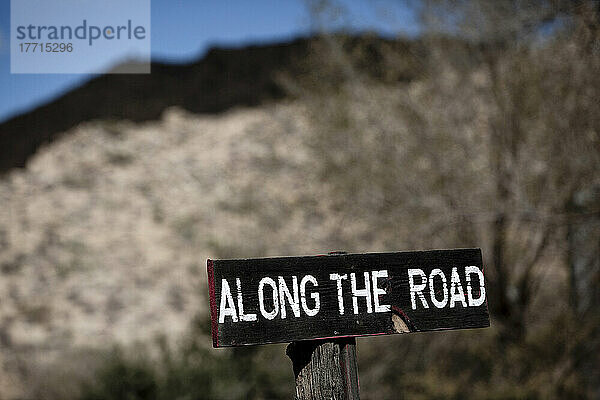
(222, 79)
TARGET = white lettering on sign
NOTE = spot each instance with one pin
(377, 291)
(291, 297)
(471, 269)
(226, 307)
(284, 293)
(338, 279)
(356, 293)
(443, 297)
(417, 289)
(240, 301)
(261, 298)
(434, 300)
(456, 290)
(311, 312)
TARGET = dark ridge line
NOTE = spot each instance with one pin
(223, 78)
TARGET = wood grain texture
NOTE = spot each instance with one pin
(405, 314)
(325, 369)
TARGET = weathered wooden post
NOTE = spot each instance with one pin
(325, 369)
(320, 304)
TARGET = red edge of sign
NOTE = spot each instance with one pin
(213, 305)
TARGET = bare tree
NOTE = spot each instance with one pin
(492, 141)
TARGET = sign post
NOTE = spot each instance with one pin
(325, 369)
(322, 302)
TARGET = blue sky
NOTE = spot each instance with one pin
(182, 30)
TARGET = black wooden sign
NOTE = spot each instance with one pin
(285, 299)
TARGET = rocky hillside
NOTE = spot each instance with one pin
(114, 195)
(105, 234)
(222, 79)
